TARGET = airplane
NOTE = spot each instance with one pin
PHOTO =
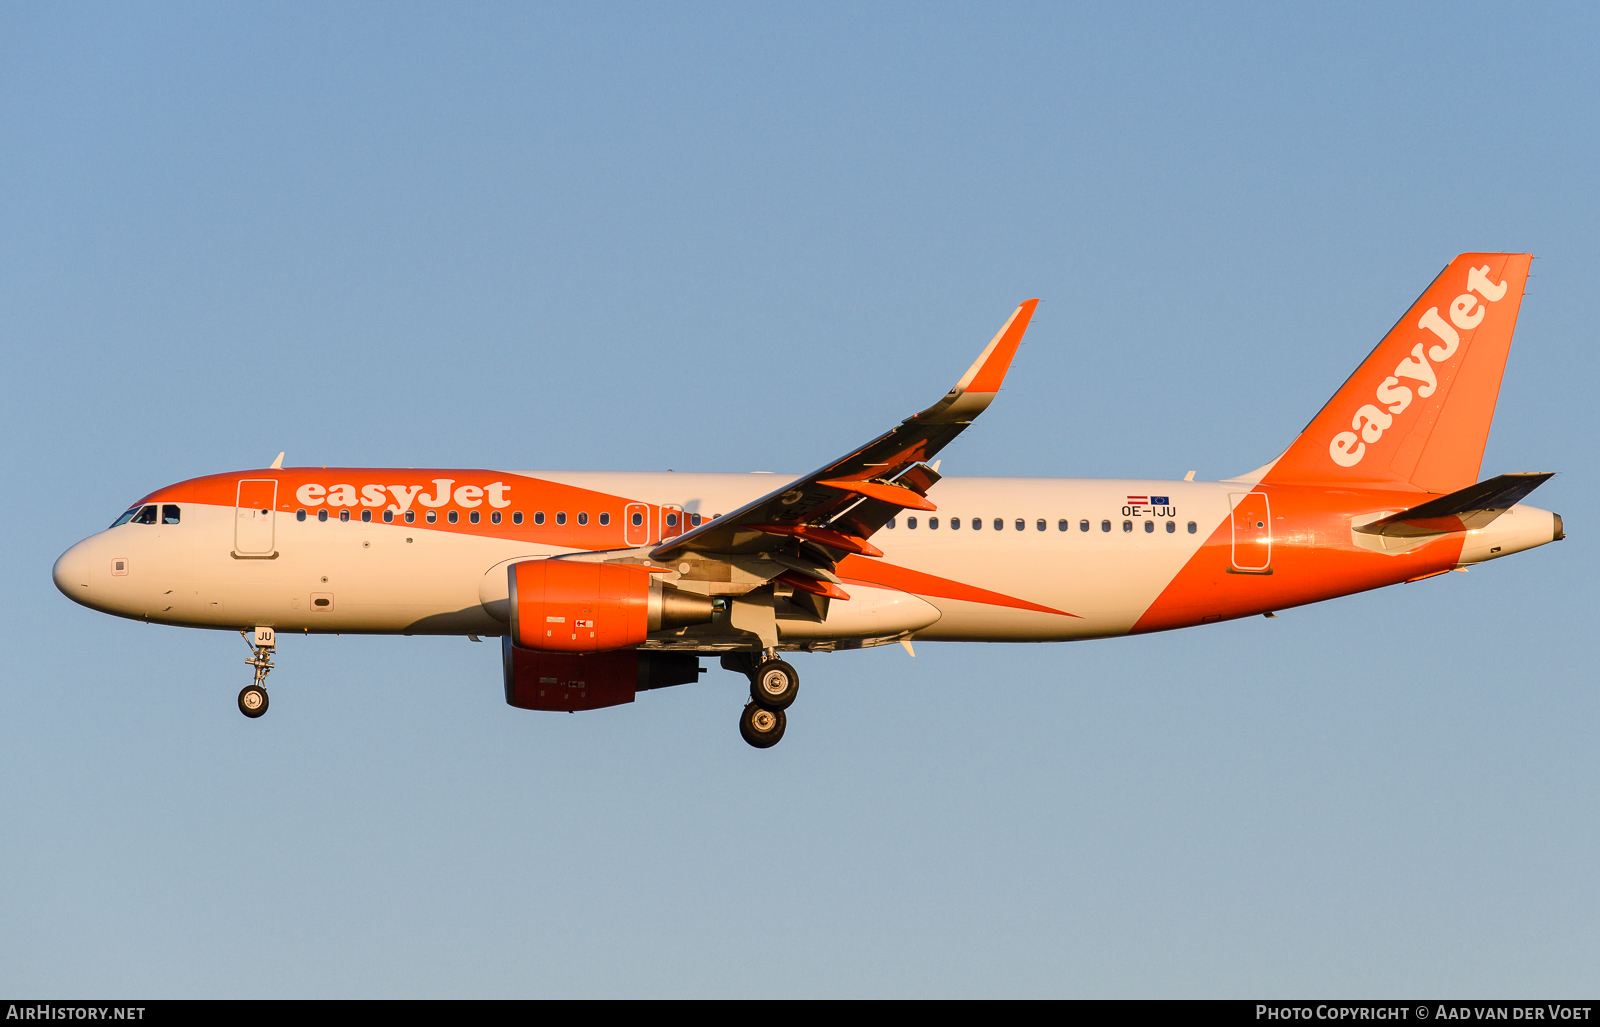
(601, 585)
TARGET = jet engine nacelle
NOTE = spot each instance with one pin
(573, 606)
(568, 682)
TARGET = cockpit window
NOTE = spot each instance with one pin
(146, 516)
(125, 518)
(169, 514)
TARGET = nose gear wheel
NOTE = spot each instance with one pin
(252, 701)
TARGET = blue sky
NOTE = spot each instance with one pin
(747, 237)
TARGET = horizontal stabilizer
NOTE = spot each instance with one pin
(1472, 507)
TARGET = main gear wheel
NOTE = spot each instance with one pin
(774, 685)
(761, 727)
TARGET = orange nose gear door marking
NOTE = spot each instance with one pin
(636, 524)
(253, 514)
(1252, 533)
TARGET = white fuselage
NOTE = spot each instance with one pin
(1068, 558)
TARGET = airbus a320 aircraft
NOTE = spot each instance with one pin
(601, 585)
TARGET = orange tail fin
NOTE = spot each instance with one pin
(1418, 409)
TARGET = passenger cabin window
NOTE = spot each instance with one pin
(933, 523)
(344, 515)
(1022, 525)
(638, 519)
(605, 519)
(1127, 526)
(1040, 524)
(388, 517)
(1105, 525)
(473, 517)
(169, 514)
(1149, 526)
(411, 516)
(694, 520)
(127, 515)
(146, 515)
(583, 518)
(1082, 526)
(516, 518)
(1171, 527)
(890, 524)
(1064, 525)
(299, 515)
(494, 518)
(672, 520)
(955, 523)
(322, 515)
(538, 517)
(1191, 528)
(561, 517)
(453, 517)
(911, 522)
(432, 516)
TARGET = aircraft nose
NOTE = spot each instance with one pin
(72, 573)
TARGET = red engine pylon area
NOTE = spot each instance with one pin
(568, 606)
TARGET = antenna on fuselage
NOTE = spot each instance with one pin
(277, 465)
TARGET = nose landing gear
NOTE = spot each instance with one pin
(774, 685)
(252, 701)
(253, 697)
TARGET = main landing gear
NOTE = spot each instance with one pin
(253, 697)
(761, 727)
(773, 687)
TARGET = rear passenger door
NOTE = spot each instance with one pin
(1252, 533)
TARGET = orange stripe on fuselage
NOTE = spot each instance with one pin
(524, 494)
(861, 571)
(1313, 558)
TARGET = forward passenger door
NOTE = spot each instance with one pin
(256, 502)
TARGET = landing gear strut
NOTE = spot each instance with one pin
(253, 697)
(773, 687)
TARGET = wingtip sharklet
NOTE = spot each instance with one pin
(977, 387)
(989, 370)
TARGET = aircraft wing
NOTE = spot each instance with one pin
(1471, 507)
(838, 506)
